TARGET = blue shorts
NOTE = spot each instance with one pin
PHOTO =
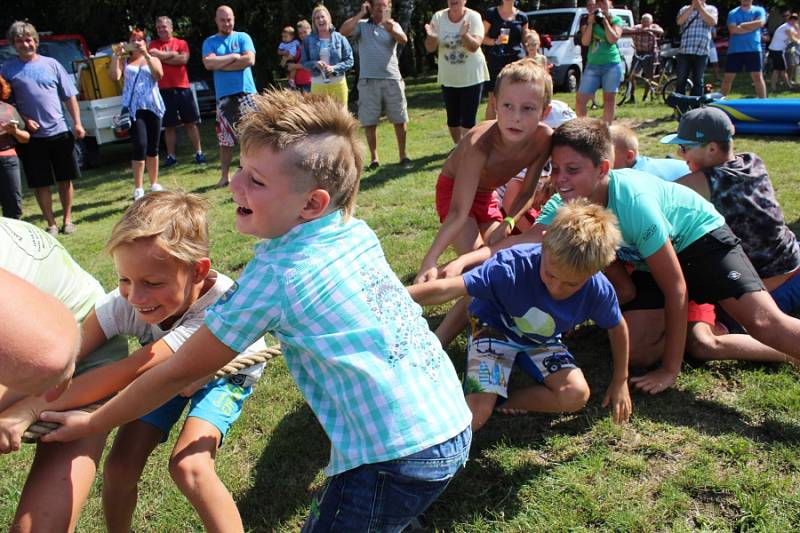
(219, 403)
(387, 496)
(787, 296)
(744, 61)
(606, 76)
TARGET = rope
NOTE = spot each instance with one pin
(38, 429)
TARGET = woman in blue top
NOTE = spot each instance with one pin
(328, 55)
(142, 97)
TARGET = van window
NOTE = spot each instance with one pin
(557, 25)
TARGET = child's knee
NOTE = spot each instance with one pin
(188, 471)
(701, 342)
(119, 470)
(574, 396)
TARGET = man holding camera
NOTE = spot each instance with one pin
(696, 21)
(380, 85)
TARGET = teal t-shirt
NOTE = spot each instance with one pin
(650, 211)
(602, 52)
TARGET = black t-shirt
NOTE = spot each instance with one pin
(8, 113)
(496, 23)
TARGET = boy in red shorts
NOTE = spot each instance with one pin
(488, 156)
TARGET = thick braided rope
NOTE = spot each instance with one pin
(40, 428)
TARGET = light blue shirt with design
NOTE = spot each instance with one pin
(357, 345)
(650, 211)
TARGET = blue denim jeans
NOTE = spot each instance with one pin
(10, 187)
(606, 76)
(385, 497)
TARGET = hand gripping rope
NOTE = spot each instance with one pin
(40, 428)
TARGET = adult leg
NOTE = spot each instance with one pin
(565, 391)
(682, 72)
(400, 134)
(66, 192)
(10, 187)
(371, 133)
(580, 103)
(123, 468)
(45, 201)
(58, 484)
(491, 107)
(698, 73)
(153, 136)
(727, 82)
(452, 105)
(470, 101)
(192, 468)
(170, 140)
(225, 158)
(609, 107)
(760, 85)
(193, 133)
(138, 148)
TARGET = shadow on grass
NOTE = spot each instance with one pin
(297, 450)
(385, 173)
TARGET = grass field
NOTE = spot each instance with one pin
(718, 452)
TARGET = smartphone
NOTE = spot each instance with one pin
(14, 122)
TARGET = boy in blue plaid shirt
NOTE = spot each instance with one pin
(376, 377)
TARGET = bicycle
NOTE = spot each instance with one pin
(661, 83)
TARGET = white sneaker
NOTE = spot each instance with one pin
(138, 192)
(155, 187)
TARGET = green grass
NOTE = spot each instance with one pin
(718, 452)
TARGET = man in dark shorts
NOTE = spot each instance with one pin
(174, 86)
(40, 85)
(744, 46)
(230, 55)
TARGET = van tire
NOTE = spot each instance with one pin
(572, 80)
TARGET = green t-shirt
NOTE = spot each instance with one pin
(650, 211)
(41, 260)
(602, 52)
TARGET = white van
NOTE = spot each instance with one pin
(562, 25)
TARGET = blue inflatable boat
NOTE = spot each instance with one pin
(775, 116)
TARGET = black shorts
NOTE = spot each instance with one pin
(715, 268)
(747, 61)
(496, 64)
(47, 160)
(180, 108)
(777, 59)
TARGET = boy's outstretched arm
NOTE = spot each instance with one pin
(201, 355)
(617, 394)
(438, 291)
(467, 177)
(666, 271)
(476, 257)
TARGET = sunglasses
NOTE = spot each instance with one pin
(684, 148)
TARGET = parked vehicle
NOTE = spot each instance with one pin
(563, 25)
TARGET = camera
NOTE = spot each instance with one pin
(598, 15)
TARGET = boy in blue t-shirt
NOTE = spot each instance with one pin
(523, 299)
(359, 349)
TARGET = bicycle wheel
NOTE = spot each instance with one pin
(671, 85)
(625, 92)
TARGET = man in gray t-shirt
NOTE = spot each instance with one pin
(380, 85)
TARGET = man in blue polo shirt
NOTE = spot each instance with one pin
(230, 55)
(744, 46)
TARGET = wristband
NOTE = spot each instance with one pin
(510, 221)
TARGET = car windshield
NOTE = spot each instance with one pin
(557, 25)
(65, 52)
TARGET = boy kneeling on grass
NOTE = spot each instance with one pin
(523, 299)
(358, 347)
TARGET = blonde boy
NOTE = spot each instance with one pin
(165, 287)
(523, 298)
(358, 347)
(488, 156)
(626, 155)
